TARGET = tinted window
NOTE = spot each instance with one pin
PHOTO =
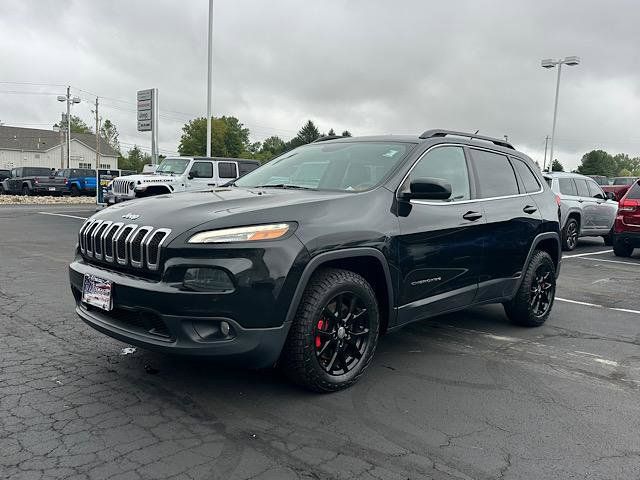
(529, 180)
(202, 170)
(567, 187)
(227, 170)
(594, 189)
(246, 167)
(495, 174)
(581, 185)
(446, 163)
(634, 192)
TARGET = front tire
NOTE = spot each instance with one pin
(570, 235)
(533, 302)
(334, 334)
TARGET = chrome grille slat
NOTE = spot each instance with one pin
(123, 244)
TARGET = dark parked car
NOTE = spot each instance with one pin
(33, 181)
(626, 230)
(600, 179)
(388, 230)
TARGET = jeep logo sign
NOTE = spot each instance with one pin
(130, 216)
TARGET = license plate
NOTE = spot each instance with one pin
(52, 189)
(96, 291)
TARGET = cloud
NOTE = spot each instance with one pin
(367, 66)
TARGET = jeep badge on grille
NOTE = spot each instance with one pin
(130, 216)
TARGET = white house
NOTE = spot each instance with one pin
(32, 147)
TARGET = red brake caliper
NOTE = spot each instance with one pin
(318, 339)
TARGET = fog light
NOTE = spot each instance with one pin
(207, 280)
(224, 328)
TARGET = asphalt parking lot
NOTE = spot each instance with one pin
(463, 396)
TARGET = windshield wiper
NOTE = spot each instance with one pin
(284, 185)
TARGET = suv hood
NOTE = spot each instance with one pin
(222, 207)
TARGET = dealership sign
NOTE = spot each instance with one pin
(146, 107)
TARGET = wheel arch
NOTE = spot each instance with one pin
(577, 214)
(368, 262)
(550, 243)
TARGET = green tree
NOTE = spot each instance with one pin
(346, 133)
(556, 166)
(135, 160)
(78, 125)
(598, 162)
(109, 132)
(308, 133)
(273, 145)
(229, 138)
(331, 132)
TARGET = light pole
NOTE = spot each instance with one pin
(209, 72)
(70, 100)
(551, 63)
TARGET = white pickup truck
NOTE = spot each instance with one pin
(181, 174)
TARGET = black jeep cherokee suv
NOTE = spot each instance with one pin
(307, 260)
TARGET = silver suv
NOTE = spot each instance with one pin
(585, 209)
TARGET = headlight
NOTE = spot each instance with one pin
(131, 185)
(242, 234)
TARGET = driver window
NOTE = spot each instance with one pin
(594, 190)
(448, 164)
(201, 170)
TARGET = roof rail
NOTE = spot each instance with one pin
(473, 136)
(326, 137)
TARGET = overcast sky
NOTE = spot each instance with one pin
(367, 66)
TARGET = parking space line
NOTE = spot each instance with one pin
(587, 304)
(63, 215)
(610, 261)
(585, 254)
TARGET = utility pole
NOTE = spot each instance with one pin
(97, 136)
(209, 72)
(61, 140)
(68, 126)
(544, 163)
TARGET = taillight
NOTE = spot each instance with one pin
(558, 201)
(628, 205)
(36, 180)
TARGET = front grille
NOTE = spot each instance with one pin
(123, 244)
(120, 187)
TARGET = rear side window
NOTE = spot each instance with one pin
(246, 167)
(227, 169)
(496, 177)
(449, 164)
(567, 187)
(634, 192)
(529, 180)
(581, 185)
(202, 170)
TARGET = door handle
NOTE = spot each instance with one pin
(529, 209)
(472, 216)
(580, 201)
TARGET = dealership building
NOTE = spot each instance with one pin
(33, 147)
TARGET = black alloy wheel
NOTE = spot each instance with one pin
(342, 334)
(542, 291)
(334, 334)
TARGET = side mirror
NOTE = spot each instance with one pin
(611, 195)
(190, 176)
(428, 189)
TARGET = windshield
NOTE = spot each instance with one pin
(352, 166)
(173, 165)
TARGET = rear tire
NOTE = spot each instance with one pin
(570, 234)
(334, 334)
(621, 249)
(533, 302)
(26, 191)
(75, 191)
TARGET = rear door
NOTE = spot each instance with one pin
(512, 221)
(440, 244)
(588, 205)
(201, 175)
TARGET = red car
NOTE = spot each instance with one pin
(619, 186)
(626, 229)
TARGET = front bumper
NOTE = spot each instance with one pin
(157, 313)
